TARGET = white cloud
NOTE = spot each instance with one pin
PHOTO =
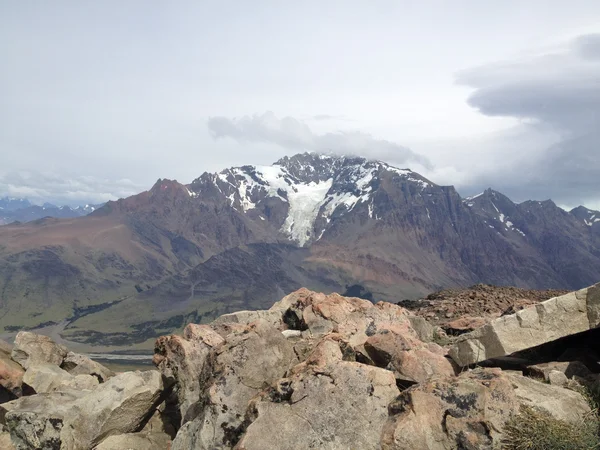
(293, 134)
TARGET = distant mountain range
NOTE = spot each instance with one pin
(22, 210)
(243, 237)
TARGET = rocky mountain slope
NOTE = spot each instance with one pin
(324, 371)
(241, 238)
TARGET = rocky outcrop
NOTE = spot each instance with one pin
(314, 371)
(80, 419)
(544, 322)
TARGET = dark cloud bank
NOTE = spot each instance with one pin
(556, 92)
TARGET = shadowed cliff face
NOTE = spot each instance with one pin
(241, 238)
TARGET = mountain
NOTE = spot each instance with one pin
(12, 204)
(21, 210)
(240, 238)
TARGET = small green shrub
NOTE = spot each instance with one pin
(533, 429)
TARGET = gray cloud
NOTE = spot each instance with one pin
(555, 92)
(71, 190)
(295, 135)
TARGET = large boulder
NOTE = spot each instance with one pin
(32, 349)
(77, 364)
(464, 412)
(37, 421)
(49, 378)
(325, 403)
(80, 420)
(538, 324)
(250, 358)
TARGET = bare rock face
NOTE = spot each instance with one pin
(31, 348)
(250, 358)
(552, 319)
(49, 378)
(468, 411)
(188, 364)
(325, 403)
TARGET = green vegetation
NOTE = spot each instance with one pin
(533, 429)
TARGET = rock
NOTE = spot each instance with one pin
(410, 359)
(49, 378)
(188, 364)
(31, 348)
(563, 404)
(77, 364)
(464, 324)
(36, 422)
(568, 368)
(468, 411)
(135, 441)
(118, 406)
(252, 357)
(326, 403)
(552, 319)
(291, 333)
(246, 317)
(79, 420)
(11, 374)
(557, 378)
(5, 441)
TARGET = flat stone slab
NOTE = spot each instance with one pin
(538, 324)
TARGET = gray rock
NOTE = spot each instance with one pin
(253, 357)
(80, 420)
(49, 378)
(31, 348)
(77, 364)
(535, 325)
(326, 403)
(119, 406)
(563, 404)
(557, 378)
(36, 422)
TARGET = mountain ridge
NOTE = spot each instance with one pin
(333, 222)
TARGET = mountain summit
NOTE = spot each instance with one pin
(306, 191)
(243, 237)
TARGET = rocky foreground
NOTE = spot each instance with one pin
(313, 371)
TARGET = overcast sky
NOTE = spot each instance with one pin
(99, 99)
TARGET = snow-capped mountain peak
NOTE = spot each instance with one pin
(312, 187)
